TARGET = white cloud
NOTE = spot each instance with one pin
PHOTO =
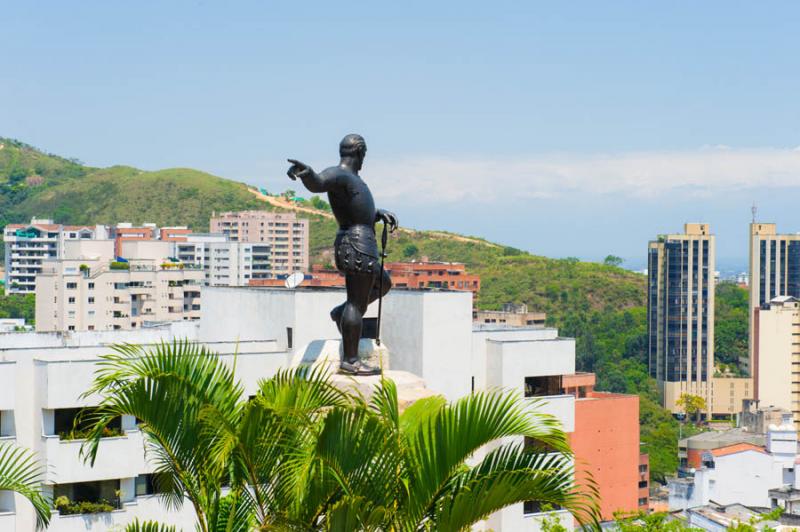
(703, 171)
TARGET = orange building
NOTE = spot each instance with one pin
(174, 234)
(126, 232)
(606, 445)
(447, 275)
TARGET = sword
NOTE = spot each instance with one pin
(384, 237)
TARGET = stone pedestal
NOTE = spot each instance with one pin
(326, 354)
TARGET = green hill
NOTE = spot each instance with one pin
(601, 306)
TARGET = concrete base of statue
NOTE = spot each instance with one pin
(326, 355)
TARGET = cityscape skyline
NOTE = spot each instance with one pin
(623, 119)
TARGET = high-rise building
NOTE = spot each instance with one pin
(776, 357)
(88, 290)
(225, 263)
(680, 313)
(286, 234)
(774, 270)
(28, 245)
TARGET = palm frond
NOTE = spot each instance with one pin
(21, 472)
(149, 526)
(509, 475)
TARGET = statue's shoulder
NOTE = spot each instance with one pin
(337, 174)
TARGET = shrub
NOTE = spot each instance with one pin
(118, 265)
(66, 507)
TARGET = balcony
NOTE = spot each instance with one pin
(117, 457)
(144, 508)
(560, 406)
(65, 381)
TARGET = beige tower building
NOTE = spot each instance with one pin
(88, 290)
(774, 270)
(680, 310)
(284, 232)
(776, 354)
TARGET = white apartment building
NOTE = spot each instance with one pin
(742, 473)
(42, 377)
(430, 334)
(427, 333)
(88, 291)
(28, 245)
(286, 234)
(776, 354)
(225, 262)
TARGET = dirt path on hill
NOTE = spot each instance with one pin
(283, 203)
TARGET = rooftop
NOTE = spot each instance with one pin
(716, 439)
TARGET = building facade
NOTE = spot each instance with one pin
(776, 355)
(680, 313)
(42, 380)
(27, 246)
(511, 315)
(225, 263)
(89, 291)
(606, 446)
(774, 269)
(742, 473)
(287, 235)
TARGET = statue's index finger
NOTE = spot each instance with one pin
(294, 161)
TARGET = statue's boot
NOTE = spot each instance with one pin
(358, 369)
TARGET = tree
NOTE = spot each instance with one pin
(410, 251)
(612, 260)
(691, 404)
(20, 472)
(302, 454)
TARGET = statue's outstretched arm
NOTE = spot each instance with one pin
(313, 181)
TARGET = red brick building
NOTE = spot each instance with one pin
(606, 445)
(445, 275)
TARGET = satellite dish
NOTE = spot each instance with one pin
(294, 280)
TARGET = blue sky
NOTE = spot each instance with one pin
(565, 128)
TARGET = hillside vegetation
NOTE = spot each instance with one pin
(601, 306)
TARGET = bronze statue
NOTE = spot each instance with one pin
(355, 249)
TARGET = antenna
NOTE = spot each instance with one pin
(754, 210)
(295, 280)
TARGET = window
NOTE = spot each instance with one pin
(91, 286)
(71, 300)
(542, 386)
(72, 286)
(91, 300)
(100, 491)
(68, 423)
(289, 337)
(148, 485)
(643, 502)
(71, 328)
(642, 483)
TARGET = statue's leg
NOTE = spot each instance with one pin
(336, 315)
(358, 291)
(375, 293)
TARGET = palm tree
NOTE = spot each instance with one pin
(303, 455)
(20, 472)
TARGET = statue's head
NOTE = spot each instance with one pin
(353, 146)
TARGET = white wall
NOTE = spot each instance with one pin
(40, 372)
